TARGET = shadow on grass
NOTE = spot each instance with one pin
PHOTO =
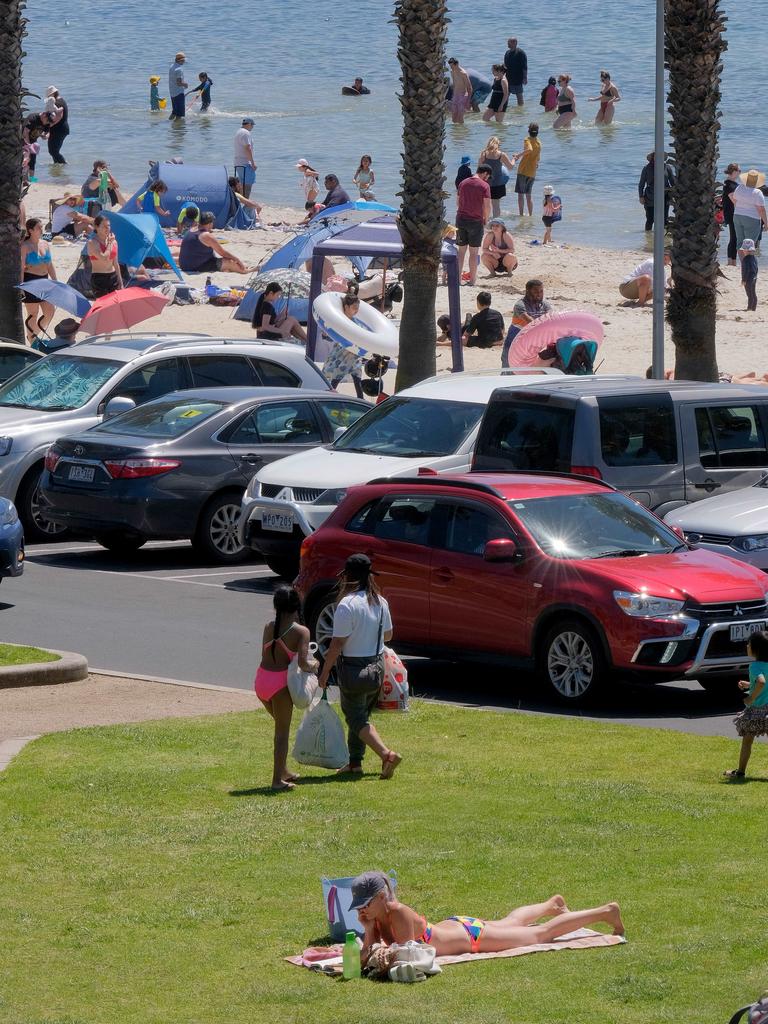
(305, 780)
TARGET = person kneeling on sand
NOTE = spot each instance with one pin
(202, 253)
(387, 921)
(638, 286)
(486, 328)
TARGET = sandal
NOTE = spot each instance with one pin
(388, 765)
(734, 773)
(283, 788)
(349, 769)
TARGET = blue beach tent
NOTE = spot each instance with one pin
(207, 186)
(138, 236)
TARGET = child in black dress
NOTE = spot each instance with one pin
(749, 272)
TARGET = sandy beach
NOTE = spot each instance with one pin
(573, 276)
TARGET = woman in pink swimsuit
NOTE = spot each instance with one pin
(284, 639)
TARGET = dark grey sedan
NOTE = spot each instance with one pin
(177, 467)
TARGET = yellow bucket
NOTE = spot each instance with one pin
(162, 104)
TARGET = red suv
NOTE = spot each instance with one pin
(543, 570)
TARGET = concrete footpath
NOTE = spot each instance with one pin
(103, 699)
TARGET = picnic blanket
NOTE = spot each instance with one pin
(582, 938)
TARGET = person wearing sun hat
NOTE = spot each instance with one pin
(749, 213)
(362, 624)
(177, 86)
(464, 171)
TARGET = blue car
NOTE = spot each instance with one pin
(11, 540)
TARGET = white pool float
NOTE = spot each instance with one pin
(370, 333)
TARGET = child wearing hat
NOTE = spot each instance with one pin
(464, 171)
(154, 93)
(552, 211)
(749, 272)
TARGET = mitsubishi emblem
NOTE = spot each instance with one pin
(78, 450)
(737, 610)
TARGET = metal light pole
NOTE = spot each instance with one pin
(659, 179)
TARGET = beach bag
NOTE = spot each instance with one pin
(558, 214)
(302, 686)
(393, 695)
(337, 896)
(320, 739)
(755, 1013)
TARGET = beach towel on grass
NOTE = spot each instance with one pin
(582, 938)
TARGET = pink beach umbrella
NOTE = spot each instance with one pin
(546, 330)
(121, 310)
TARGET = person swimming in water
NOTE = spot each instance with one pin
(356, 89)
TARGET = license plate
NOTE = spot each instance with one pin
(280, 522)
(84, 474)
(744, 630)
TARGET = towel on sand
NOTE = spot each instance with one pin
(582, 938)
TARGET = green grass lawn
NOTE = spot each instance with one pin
(148, 876)
(11, 654)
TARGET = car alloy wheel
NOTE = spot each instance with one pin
(573, 661)
(223, 530)
(322, 629)
(43, 525)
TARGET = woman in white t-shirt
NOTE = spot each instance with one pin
(361, 625)
(749, 215)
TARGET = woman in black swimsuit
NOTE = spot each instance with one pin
(566, 103)
(497, 104)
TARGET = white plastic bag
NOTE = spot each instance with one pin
(320, 738)
(393, 695)
(302, 686)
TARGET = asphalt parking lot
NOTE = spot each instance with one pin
(166, 614)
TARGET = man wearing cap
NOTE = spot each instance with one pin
(245, 165)
(177, 85)
(59, 130)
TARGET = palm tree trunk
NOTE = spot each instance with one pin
(423, 26)
(694, 46)
(12, 32)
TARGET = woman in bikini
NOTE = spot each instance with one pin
(566, 103)
(284, 639)
(36, 264)
(386, 920)
(106, 276)
(498, 252)
(608, 98)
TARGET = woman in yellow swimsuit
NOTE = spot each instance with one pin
(387, 920)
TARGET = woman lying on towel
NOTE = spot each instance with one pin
(386, 920)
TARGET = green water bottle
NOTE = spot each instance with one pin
(351, 957)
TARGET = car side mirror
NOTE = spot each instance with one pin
(338, 432)
(502, 550)
(117, 405)
(679, 531)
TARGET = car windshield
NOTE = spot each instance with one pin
(594, 526)
(411, 427)
(58, 382)
(161, 419)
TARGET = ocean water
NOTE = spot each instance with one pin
(284, 63)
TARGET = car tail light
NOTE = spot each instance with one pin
(52, 457)
(306, 546)
(587, 471)
(133, 469)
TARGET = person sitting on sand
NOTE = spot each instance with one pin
(498, 252)
(67, 219)
(268, 324)
(388, 921)
(189, 217)
(444, 337)
(92, 186)
(335, 195)
(486, 328)
(237, 187)
(202, 253)
(527, 309)
(638, 286)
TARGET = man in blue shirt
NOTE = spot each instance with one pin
(176, 87)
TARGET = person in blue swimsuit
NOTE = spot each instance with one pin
(149, 201)
(36, 264)
(204, 89)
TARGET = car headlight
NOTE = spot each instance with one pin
(9, 516)
(646, 606)
(253, 490)
(756, 542)
(333, 496)
(6, 443)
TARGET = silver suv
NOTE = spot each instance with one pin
(75, 388)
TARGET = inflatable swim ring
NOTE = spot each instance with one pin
(370, 333)
(525, 348)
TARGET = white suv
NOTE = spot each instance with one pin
(69, 391)
(432, 425)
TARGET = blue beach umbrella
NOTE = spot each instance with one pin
(298, 250)
(139, 235)
(58, 294)
(355, 212)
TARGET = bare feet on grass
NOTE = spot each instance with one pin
(614, 917)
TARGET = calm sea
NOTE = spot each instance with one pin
(284, 62)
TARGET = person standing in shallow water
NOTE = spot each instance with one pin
(516, 65)
(177, 85)
(608, 98)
